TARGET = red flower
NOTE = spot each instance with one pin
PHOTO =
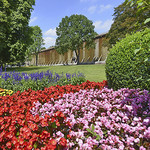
(32, 126)
(57, 123)
(44, 122)
(21, 141)
(44, 135)
(8, 144)
(53, 142)
(63, 142)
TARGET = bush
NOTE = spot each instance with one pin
(128, 63)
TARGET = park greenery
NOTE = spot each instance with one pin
(15, 35)
(41, 109)
(72, 32)
(37, 42)
(128, 18)
(127, 64)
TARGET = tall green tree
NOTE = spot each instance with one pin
(125, 22)
(14, 29)
(37, 43)
(72, 32)
(142, 5)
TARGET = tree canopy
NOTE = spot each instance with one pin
(37, 43)
(125, 22)
(72, 32)
(14, 29)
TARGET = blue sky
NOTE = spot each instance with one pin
(47, 14)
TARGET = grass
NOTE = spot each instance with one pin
(92, 72)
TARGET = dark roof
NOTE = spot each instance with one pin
(50, 48)
(100, 35)
(96, 37)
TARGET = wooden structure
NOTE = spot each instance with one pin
(51, 57)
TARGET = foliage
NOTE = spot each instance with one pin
(36, 46)
(127, 64)
(142, 5)
(72, 32)
(19, 129)
(103, 119)
(4, 92)
(17, 81)
(14, 29)
(125, 22)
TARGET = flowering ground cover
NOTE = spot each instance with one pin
(86, 117)
(20, 129)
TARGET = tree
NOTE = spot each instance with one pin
(142, 5)
(37, 39)
(43, 48)
(125, 22)
(14, 29)
(72, 32)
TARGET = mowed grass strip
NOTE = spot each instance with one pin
(92, 72)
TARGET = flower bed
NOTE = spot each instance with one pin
(17, 81)
(87, 116)
(19, 129)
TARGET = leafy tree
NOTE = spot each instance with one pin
(142, 5)
(37, 39)
(72, 32)
(125, 22)
(43, 48)
(14, 29)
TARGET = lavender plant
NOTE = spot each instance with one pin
(17, 81)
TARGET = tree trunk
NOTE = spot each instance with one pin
(78, 56)
(36, 61)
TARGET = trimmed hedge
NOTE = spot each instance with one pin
(128, 63)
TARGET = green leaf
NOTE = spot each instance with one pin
(98, 137)
(147, 20)
(140, 4)
(54, 125)
(93, 127)
(131, 4)
(137, 50)
(89, 130)
(35, 145)
(17, 133)
(146, 60)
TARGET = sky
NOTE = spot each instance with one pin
(47, 14)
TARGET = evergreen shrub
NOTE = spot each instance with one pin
(128, 63)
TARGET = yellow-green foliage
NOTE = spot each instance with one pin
(4, 92)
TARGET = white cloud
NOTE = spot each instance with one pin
(92, 9)
(32, 20)
(104, 8)
(102, 27)
(50, 32)
(49, 41)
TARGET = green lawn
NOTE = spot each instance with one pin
(92, 72)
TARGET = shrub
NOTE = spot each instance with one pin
(128, 63)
